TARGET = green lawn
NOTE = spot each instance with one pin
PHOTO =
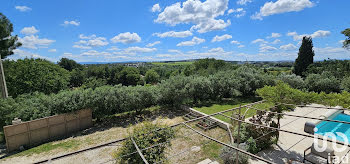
(214, 108)
(172, 63)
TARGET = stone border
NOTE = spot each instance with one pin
(220, 123)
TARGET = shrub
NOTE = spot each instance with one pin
(293, 80)
(324, 82)
(228, 155)
(251, 144)
(94, 82)
(199, 88)
(172, 92)
(30, 75)
(151, 77)
(145, 136)
(225, 85)
(251, 79)
(345, 84)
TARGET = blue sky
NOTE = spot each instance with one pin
(158, 30)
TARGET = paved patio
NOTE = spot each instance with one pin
(292, 146)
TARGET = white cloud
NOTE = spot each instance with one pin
(243, 2)
(23, 8)
(82, 36)
(316, 34)
(221, 38)
(266, 48)
(331, 52)
(97, 42)
(239, 12)
(74, 23)
(274, 35)
(153, 44)
(135, 50)
(113, 48)
(175, 51)
(126, 38)
(259, 41)
(139, 50)
(95, 53)
(288, 47)
(20, 54)
(217, 50)
(29, 30)
(90, 41)
(33, 42)
(52, 50)
(156, 8)
(239, 45)
(202, 14)
(282, 6)
(276, 41)
(175, 34)
(235, 42)
(192, 42)
(82, 47)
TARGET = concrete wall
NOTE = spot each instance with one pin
(38, 131)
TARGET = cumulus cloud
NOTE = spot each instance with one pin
(259, 41)
(52, 50)
(192, 42)
(156, 8)
(88, 42)
(235, 42)
(82, 47)
(221, 38)
(34, 42)
(316, 34)
(82, 36)
(217, 50)
(274, 35)
(282, 6)
(74, 23)
(29, 30)
(288, 47)
(95, 53)
(202, 14)
(239, 12)
(113, 48)
(97, 42)
(244, 2)
(174, 34)
(266, 48)
(126, 38)
(23, 8)
(276, 41)
(139, 50)
(153, 44)
(134, 50)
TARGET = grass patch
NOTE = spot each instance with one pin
(67, 145)
(212, 150)
(229, 104)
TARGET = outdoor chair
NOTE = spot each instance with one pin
(313, 156)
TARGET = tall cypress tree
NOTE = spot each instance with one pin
(305, 56)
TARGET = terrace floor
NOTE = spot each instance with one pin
(291, 146)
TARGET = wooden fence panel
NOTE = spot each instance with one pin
(38, 131)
